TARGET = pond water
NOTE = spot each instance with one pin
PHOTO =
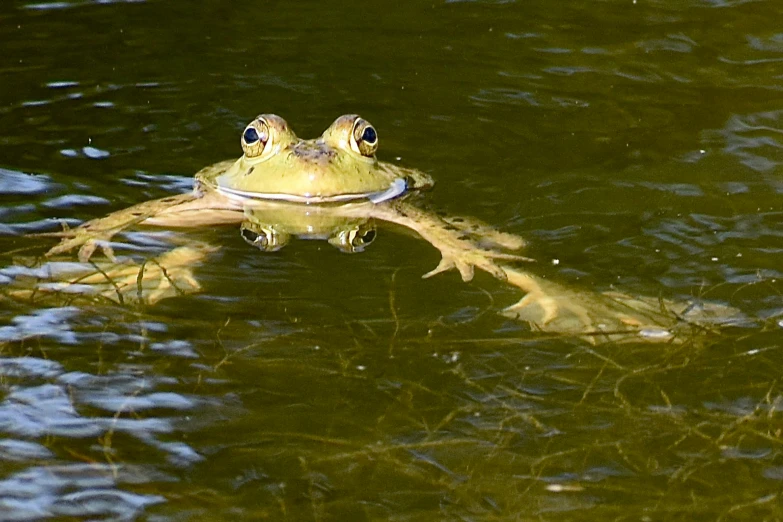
(636, 144)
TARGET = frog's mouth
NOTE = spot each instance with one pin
(397, 188)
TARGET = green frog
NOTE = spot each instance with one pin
(334, 188)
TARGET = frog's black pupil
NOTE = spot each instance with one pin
(251, 136)
(369, 135)
(369, 236)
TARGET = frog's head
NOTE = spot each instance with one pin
(340, 165)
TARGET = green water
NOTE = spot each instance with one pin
(638, 143)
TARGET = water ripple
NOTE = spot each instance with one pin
(505, 97)
(15, 182)
(47, 322)
(49, 409)
(49, 6)
(88, 152)
(75, 200)
(38, 411)
(772, 44)
(755, 139)
(29, 367)
(675, 43)
(42, 492)
(21, 450)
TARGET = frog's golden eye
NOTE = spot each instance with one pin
(365, 139)
(255, 138)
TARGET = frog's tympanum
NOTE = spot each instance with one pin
(334, 188)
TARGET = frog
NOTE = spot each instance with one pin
(334, 188)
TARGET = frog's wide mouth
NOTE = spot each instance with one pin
(397, 188)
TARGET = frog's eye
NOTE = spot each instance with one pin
(365, 139)
(255, 138)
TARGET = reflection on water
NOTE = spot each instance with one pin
(75, 490)
(637, 146)
(48, 322)
(43, 402)
(43, 6)
(755, 139)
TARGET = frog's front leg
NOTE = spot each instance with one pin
(458, 249)
(192, 209)
(485, 234)
(98, 232)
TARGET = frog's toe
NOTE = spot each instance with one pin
(65, 245)
(509, 257)
(466, 270)
(539, 309)
(91, 245)
(466, 266)
(86, 251)
(550, 314)
(492, 269)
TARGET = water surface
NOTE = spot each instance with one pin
(638, 143)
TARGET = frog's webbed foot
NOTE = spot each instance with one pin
(87, 241)
(476, 245)
(545, 309)
(466, 257)
(611, 316)
(167, 275)
(125, 282)
(551, 307)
